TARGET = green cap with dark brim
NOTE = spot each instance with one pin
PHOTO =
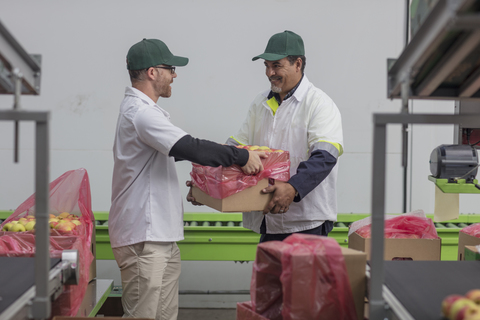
(152, 52)
(282, 45)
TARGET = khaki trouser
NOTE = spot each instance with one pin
(150, 272)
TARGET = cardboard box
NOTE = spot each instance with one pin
(356, 262)
(299, 298)
(400, 249)
(93, 266)
(465, 240)
(250, 199)
(471, 253)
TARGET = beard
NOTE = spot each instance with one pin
(273, 87)
(276, 89)
(163, 89)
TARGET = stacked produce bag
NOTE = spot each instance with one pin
(414, 225)
(302, 277)
(71, 227)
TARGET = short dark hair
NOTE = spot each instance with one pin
(292, 60)
(137, 75)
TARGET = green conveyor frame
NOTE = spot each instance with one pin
(221, 236)
(461, 186)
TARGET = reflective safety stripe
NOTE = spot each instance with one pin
(273, 104)
(335, 149)
(231, 137)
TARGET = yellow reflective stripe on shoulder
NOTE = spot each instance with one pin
(273, 104)
(338, 146)
(231, 137)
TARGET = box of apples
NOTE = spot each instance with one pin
(406, 237)
(228, 189)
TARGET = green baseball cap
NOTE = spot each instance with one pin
(152, 52)
(281, 45)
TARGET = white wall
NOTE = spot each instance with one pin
(84, 43)
(83, 46)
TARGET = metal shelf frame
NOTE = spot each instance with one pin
(439, 49)
(378, 306)
(440, 62)
(13, 56)
(41, 307)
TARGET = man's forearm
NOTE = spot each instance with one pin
(312, 172)
(208, 153)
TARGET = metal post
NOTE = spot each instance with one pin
(407, 21)
(17, 82)
(376, 301)
(41, 308)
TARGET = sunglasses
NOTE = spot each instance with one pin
(172, 69)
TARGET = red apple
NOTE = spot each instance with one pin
(448, 302)
(473, 295)
(458, 305)
(67, 226)
(476, 316)
(467, 312)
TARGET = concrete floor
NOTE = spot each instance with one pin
(206, 314)
(113, 308)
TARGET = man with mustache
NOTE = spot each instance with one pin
(296, 116)
(146, 216)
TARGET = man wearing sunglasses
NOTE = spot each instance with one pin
(146, 216)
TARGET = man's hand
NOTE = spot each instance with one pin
(254, 164)
(190, 198)
(283, 194)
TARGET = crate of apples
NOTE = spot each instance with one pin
(64, 222)
(458, 307)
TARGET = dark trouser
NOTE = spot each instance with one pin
(322, 230)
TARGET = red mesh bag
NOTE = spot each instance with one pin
(221, 182)
(405, 227)
(302, 277)
(69, 194)
(472, 230)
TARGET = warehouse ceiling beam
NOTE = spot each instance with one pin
(13, 56)
(451, 30)
(464, 45)
(471, 85)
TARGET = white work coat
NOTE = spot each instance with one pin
(307, 121)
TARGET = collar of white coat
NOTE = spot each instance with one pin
(301, 91)
(131, 91)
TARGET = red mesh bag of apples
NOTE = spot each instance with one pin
(472, 230)
(302, 277)
(405, 227)
(221, 182)
(71, 227)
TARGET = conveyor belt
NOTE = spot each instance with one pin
(420, 286)
(16, 277)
